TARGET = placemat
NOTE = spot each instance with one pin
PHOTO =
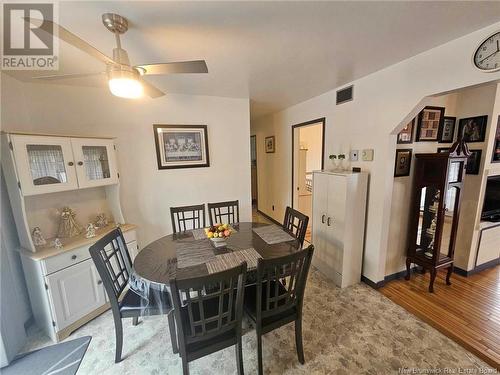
(273, 234)
(229, 260)
(193, 253)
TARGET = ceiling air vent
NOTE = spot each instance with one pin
(344, 95)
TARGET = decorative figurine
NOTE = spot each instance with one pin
(38, 238)
(58, 244)
(101, 220)
(90, 230)
(68, 227)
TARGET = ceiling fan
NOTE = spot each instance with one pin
(124, 80)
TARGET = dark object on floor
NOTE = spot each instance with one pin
(271, 304)
(61, 359)
(112, 260)
(209, 316)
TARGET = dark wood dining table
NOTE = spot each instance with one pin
(156, 263)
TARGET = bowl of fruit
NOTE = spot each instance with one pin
(218, 233)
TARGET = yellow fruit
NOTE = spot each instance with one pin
(216, 235)
(221, 228)
(210, 234)
(226, 226)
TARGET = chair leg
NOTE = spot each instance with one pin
(173, 332)
(119, 338)
(185, 366)
(135, 320)
(239, 357)
(259, 353)
(298, 340)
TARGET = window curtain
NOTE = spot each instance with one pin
(46, 161)
(96, 163)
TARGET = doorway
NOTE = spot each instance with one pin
(308, 149)
(253, 168)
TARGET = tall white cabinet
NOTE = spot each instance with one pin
(339, 208)
(43, 174)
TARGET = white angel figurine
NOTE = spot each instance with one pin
(90, 230)
(38, 238)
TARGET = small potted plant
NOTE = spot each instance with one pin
(333, 158)
(341, 158)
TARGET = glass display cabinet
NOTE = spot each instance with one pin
(437, 189)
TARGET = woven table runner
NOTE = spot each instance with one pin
(193, 253)
(273, 234)
(229, 260)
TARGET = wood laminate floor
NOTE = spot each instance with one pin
(468, 311)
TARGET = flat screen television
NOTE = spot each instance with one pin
(491, 206)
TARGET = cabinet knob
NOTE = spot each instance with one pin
(323, 219)
(80, 163)
(99, 282)
(71, 163)
(328, 222)
(73, 257)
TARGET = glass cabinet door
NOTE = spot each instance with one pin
(427, 223)
(95, 161)
(44, 164)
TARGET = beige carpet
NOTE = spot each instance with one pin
(350, 331)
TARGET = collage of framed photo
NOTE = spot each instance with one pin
(495, 158)
(473, 162)
(270, 144)
(430, 120)
(473, 129)
(402, 164)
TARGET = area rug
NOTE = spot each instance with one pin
(61, 359)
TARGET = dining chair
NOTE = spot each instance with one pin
(208, 313)
(224, 212)
(113, 263)
(271, 304)
(295, 223)
(188, 217)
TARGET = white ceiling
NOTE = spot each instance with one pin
(276, 53)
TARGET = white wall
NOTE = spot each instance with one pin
(146, 192)
(383, 103)
(464, 103)
(311, 138)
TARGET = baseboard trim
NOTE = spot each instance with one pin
(482, 267)
(394, 276)
(371, 283)
(269, 217)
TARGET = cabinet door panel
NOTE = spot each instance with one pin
(75, 291)
(44, 164)
(320, 195)
(95, 161)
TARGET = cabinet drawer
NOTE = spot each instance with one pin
(64, 260)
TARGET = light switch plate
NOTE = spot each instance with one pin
(367, 154)
(354, 155)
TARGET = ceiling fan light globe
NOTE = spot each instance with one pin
(128, 88)
(125, 84)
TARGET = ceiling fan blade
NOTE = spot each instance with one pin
(151, 90)
(67, 36)
(196, 66)
(68, 76)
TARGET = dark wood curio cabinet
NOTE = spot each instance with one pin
(434, 214)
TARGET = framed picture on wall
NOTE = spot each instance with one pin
(403, 162)
(270, 144)
(406, 134)
(496, 144)
(430, 119)
(181, 146)
(473, 162)
(473, 129)
(443, 149)
(447, 130)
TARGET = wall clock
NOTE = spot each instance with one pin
(487, 56)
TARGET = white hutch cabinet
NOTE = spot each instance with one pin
(338, 227)
(44, 174)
